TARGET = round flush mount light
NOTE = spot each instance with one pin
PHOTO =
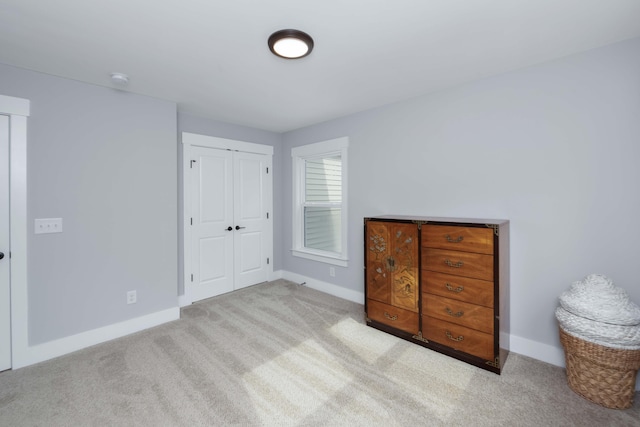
(120, 79)
(290, 44)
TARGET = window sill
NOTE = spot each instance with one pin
(341, 262)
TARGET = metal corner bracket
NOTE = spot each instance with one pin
(495, 228)
(495, 363)
(419, 223)
(419, 337)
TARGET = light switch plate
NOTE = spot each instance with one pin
(48, 225)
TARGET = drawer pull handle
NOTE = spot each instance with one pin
(452, 289)
(454, 264)
(449, 239)
(460, 337)
(452, 314)
(390, 317)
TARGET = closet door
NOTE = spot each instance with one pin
(212, 232)
(251, 239)
(230, 229)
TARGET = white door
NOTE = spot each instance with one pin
(5, 292)
(250, 219)
(212, 222)
(229, 221)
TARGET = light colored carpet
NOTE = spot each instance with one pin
(280, 354)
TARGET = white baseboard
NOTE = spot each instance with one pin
(536, 350)
(533, 349)
(49, 350)
(278, 274)
(543, 352)
(183, 301)
(327, 288)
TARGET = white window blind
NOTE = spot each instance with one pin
(322, 206)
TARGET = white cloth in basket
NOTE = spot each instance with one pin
(597, 298)
(605, 334)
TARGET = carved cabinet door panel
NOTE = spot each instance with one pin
(404, 266)
(378, 252)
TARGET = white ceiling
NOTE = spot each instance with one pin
(211, 56)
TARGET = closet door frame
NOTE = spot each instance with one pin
(190, 140)
(22, 354)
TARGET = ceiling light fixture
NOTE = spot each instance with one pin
(290, 44)
(120, 79)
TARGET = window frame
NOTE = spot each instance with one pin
(299, 155)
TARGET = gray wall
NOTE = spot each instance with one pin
(553, 148)
(104, 161)
(193, 124)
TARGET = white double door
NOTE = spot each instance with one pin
(230, 221)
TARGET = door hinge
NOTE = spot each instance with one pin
(192, 162)
(267, 170)
(192, 277)
(191, 221)
(267, 261)
(267, 215)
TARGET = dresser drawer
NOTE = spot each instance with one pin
(392, 316)
(460, 288)
(468, 239)
(477, 266)
(462, 313)
(458, 337)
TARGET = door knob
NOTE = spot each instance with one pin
(1, 255)
(238, 227)
(229, 228)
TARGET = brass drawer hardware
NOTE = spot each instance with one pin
(448, 334)
(390, 317)
(494, 228)
(391, 264)
(495, 363)
(449, 239)
(456, 290)
(419, 223)
(454, 265)
(452, 314)
(419, 337)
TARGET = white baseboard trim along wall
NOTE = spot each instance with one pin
(536, 350)
(325, 287)
(45, 351)
(183, 301)
(39, 353)
(533, 349)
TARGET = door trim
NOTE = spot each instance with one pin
(18, 110)
(189, 140)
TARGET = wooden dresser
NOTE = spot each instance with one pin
(442, 283)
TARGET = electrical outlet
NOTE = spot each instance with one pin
(332, 271)
(132, 297)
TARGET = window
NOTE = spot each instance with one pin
(320, 201)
